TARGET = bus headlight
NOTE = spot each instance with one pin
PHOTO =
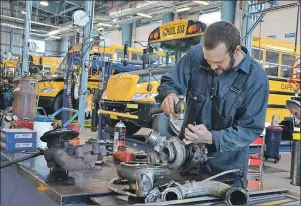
(140, 96)
(104, 96)
(47, 89)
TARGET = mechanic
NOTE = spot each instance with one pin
(226, 96)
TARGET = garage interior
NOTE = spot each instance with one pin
(80, 122)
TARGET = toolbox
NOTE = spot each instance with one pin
(13, 140)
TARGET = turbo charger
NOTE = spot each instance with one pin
(174, 153)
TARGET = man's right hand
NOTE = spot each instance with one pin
(168, 105)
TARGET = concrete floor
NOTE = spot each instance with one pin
(275, 176)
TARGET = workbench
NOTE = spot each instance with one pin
(91, 185)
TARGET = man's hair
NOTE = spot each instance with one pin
(221, 32)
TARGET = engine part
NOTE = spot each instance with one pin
(232, 196)
(61, 154)
(174, 153)
(143, 175)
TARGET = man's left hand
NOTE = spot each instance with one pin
(198, 134)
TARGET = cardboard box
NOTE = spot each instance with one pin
(19, 146)
(18, 135)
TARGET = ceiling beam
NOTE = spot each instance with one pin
(76, 3)
(52, 8)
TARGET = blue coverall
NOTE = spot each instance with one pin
(234, 116)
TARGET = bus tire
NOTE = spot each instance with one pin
(161, 124)
(58, 104)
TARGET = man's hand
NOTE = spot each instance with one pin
(168, 105)
(198, 134)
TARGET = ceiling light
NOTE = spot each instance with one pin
(183, 9)
(55, 37)
(144, 15)
(23, 12)
(44, 3)
(114, 20)
(100, 28)
(202, 2)
(103, 24)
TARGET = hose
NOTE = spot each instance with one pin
(11, 162)
(119, 191)
(232, 196)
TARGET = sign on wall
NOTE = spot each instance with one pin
(36, 46)
(289, 35)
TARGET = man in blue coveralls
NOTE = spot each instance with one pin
(226, 96)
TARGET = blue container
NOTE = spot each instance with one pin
(18, 135)
(272, 142)
(28, 146)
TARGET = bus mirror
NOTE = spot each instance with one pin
(125, 49)
(149, 58)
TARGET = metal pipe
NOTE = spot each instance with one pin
(25, 52)
(8, 163)
(89, 7)
(232, 196)
(286, 6)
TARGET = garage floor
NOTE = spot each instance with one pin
(275, 176)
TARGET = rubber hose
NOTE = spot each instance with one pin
(232, 196)
(11, 162)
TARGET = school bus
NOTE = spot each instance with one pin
(127, 98)
(50, 89)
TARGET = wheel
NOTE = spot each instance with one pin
(276, 160)
(58, 104)
(279, 157)
(160, 124)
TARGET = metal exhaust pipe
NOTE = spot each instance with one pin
(232, 196)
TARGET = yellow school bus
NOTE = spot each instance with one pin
(50, 89)
(127, 97)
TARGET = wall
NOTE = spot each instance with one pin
(280, 23)
(51, 47)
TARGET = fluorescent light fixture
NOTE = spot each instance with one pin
(144, 15)
(100, 28)
(202, 2)
(55, 37)
(44, 3)
(183, 9)
(104, 24)
(23, 12)
(37, 34)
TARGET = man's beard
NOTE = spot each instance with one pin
(219, 72)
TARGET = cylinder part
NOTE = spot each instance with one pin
(295, 161)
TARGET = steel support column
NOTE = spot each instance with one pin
(89, 8)
(247, 25)
(228, 10)
(11, 40)
(167, 17)
(26, 36)
(127, 31)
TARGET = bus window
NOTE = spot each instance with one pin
(257, 55)
(136, 56)
(272, 63)
(119, 55)
(286, 67)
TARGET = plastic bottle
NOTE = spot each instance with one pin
(24, 101)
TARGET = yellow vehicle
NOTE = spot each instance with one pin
(50, 89)
(127, 98)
